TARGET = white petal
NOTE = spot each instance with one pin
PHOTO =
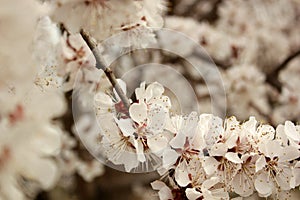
(260, 163)
(264, 185)
(218, 149)
(231, 141)
(178, 141)
(250, 125)
(233, 157)
(138, 112)
(140, 92)
(210, 127)
(192, 193)
(284, 177)
(157, 185)
(265, 132)
(281, 135)
(207, 184)
(291, 132)
(130, 161)
(181, 174)
(157, 143)
(210, 165)
(155, 89)
(165, 194)
(273, 148)
(197, 142)
(157, 118)
(295, 180)
(126, 158)
(169, 157)
(190, 124)
(242, 184)
(289, 153)
(126, 126)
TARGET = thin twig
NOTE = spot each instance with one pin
(63, 29)
(273, 77)
(108, 72)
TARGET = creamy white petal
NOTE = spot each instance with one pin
(233, 157)
(218, 149)
(291, 131)
(157, 117)
(178, 141)
(126, 126)
(138, 112)
(210, 165)
(260, 163)
(192, 193)
(263, 184)
(169, 157)
(181, 174)
(157, 143)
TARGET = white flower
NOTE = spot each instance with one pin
(210, 191)
(186, 141)
(134, 141)
(225, 168)
(75, 62)
(274, 168)
(257, 134)
(148, 120)
(191, 174)
(109, 105)
(243, 182)
(210, 128)
(289, 134)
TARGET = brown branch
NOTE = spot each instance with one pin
(273, 77)
(108, 72)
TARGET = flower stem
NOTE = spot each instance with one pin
(108, 72)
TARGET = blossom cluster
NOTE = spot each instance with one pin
(199, 157)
